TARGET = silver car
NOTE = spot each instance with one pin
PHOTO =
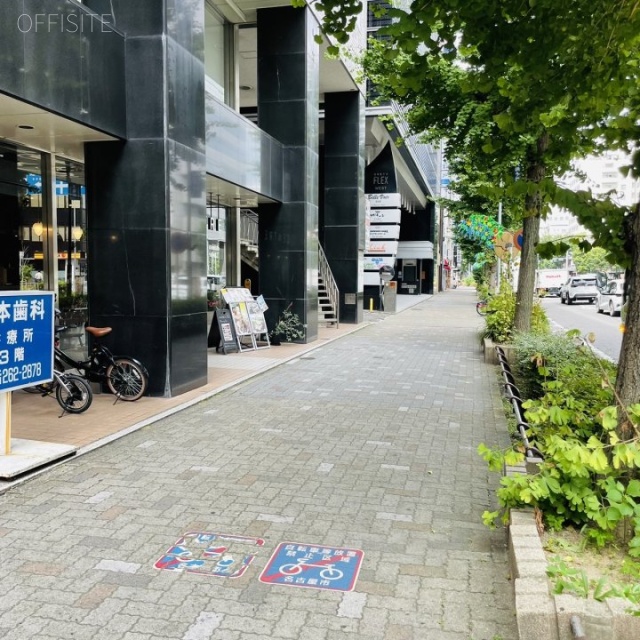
(578, 288)
(610, 298)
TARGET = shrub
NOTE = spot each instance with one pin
(71, 302)
(541, 357)
(589, 477)
(501, 311)
(539, 320)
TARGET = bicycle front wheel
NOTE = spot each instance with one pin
(481, 308)
(73, 393)
(126, 379)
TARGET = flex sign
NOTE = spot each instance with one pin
(26, 338)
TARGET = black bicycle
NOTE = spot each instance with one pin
(125, 377)
(72, 392)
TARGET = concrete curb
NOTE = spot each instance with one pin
(540, 614)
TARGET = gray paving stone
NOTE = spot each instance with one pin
(376, 452)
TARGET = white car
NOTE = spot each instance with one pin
(576, 288)
(610, 298)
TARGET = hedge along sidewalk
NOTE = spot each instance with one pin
(540, 614)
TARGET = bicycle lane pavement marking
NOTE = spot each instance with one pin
(313, 566)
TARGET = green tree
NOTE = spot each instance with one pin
(592, 261)
(528, 86)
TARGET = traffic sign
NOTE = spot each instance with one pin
(26, 338)
(314, 566)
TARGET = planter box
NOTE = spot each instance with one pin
(543, 616)
(489, 348)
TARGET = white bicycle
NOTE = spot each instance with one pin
(327, 571)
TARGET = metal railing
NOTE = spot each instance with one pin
(329, 282)
(249, 227)
(532, 454)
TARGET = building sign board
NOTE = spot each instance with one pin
(385, 232)
(386, 216)
(313, 566)
(373, 263)
(380, 200)
(383, 247)
(26, 338)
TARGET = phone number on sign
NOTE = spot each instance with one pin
(19, 374)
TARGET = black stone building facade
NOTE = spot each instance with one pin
(125, 123)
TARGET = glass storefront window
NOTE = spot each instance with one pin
(27, 246)
(216, 236)
(214, 51)
(21, 264)
(71, 216)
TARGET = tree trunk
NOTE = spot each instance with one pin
(527, 273)
(628, 377)
(536, 170)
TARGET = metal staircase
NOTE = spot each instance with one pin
(328, 294)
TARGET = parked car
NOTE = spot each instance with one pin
(576, 288)
(610, 298)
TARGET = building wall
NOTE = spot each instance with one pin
(64, 58)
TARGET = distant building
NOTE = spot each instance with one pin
(602, 176)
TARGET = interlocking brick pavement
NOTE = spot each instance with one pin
(368, 443)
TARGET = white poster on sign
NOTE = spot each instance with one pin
(373, 263)
(384, 199)
(387, 216)
(385, 232)
(389, 247)
(367, 225)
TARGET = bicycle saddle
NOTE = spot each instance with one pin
(98, 332)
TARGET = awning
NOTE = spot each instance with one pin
(415, 250)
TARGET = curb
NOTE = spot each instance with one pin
(541, 615)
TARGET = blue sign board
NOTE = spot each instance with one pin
(314, 566)
(62, 188)
(26, 338)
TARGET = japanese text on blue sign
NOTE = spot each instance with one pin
(26, 339)
(315, 566)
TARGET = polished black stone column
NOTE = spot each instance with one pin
(288, 91)
(146, 199)
(343, 230)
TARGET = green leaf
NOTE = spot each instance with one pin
(633, 488)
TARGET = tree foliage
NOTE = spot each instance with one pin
(519, 89)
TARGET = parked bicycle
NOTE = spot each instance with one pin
(482, 307)
(72, 392)
(125, 377)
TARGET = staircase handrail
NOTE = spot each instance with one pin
(249, 227)
(330, 282)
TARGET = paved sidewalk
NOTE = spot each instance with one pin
(364, 444)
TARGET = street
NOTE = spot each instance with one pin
(583, 316)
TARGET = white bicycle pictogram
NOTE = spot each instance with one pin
(327, 571)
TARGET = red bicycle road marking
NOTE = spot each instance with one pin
(277, 574)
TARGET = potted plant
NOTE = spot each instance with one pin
(288, 328)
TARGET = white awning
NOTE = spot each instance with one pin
(415, 249)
